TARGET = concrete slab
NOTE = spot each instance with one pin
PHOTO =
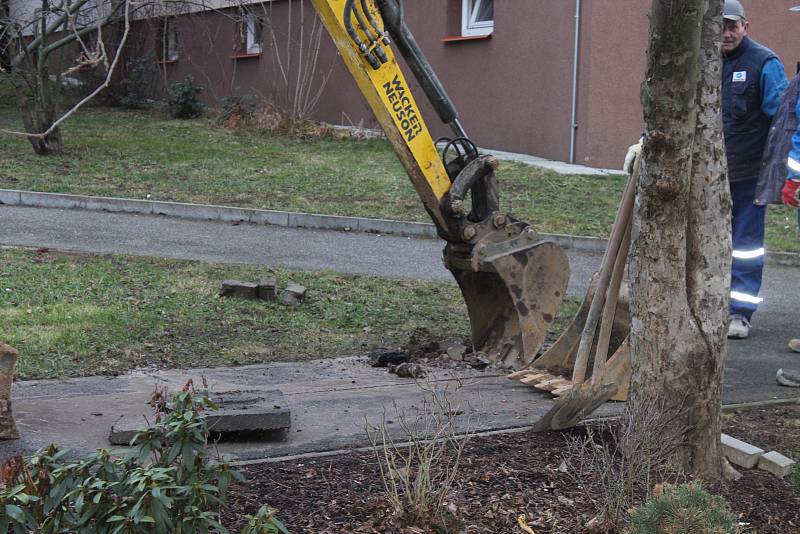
(776, 463)
(740, 453)
(239, 411)
(332, 403)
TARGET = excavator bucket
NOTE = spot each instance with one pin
(552, 371)
(513, 283)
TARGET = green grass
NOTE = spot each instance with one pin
(82, 314)
(133, 155)
(75, 315)
(145, 155)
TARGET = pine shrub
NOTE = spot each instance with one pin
(683, 509)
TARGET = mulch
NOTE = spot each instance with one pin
(501, 477)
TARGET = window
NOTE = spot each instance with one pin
(168, 43)
(477, 17)
(254, 27)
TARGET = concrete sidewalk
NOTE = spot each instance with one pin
(331, 402)
(330, 398)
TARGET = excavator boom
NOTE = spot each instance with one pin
(512, 280)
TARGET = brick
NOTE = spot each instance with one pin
(297, 290)
(293, 295)
(235, 288)
(776, 463)
(740, 453)
(266, 288)
(456, 352)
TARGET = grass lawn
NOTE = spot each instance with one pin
(145, 155)
(74, 315)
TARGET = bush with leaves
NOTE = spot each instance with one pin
(183, 99)
(237, 111)
(683, 508)
(133, 91)
(167, 482)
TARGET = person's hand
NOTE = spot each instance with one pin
(630, 156)
(789, 193)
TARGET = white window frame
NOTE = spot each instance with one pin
(469, 26)
(171, 36)
(252, 46)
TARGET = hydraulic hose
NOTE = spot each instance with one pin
(349, 8)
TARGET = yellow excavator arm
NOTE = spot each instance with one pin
(512, 280)
(391, 101)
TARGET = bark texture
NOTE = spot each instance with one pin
(680, 258)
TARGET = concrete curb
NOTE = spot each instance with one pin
(287, 219)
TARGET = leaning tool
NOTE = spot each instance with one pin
(566, 363)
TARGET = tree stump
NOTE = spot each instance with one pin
(8, 360)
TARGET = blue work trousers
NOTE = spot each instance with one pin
(748, 248)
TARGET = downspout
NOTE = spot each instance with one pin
(574, 118)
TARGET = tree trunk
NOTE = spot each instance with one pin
(680, 257)
(37, 121)
(38, 96)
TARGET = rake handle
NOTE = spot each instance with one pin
(618, 232)
(609, 309)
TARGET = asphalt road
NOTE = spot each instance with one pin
(751, 364)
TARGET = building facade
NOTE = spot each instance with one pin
(558, 79)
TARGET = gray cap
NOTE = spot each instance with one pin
(733, 10)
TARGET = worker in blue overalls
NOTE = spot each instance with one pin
(753, 82)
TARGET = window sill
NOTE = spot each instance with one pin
(462, 38)
(245, 55)
(165, 61)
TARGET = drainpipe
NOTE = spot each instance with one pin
(574, 119)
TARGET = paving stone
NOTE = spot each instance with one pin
(239, 411)
(740, 453)
(456, 352)
(776, 463)
(293, 295)
(235, 288)
(266, 288)
(296, 289)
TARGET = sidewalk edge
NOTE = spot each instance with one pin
(285, 219)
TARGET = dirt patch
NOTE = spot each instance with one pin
(500, 477)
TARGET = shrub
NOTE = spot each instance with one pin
(684, 508)
(183, 101)
(794, 477)
(167, 482)
(237, 110)
(419, 475)
(134, 88)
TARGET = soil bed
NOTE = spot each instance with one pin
(501, 477)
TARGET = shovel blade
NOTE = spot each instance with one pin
(513, 290)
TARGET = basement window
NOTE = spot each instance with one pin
(477, 18)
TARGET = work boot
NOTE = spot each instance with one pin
(794, 345)
(790, 379)
(739, 327)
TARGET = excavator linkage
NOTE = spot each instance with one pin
(512, 280)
